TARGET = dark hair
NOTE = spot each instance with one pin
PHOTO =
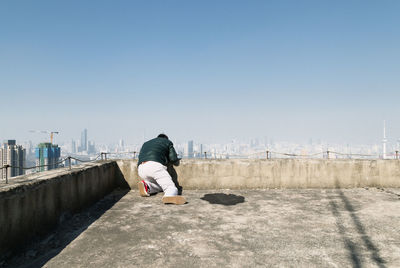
(162, 135)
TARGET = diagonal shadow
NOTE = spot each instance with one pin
(350, 245)
(352, 248)
(374, 251)
(223, 199)
(42, 249)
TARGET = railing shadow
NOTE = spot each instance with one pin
(42, 249)
(351, 246)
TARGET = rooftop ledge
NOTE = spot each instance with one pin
(240, 213)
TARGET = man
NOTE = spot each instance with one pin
(154, 157)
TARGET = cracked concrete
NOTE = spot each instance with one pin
(228, 228)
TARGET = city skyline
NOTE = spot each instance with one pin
(234, 147)
(49, 154)
(208, 71)
(84, 144)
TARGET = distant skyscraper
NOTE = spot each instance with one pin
(121, 145)
(73, 147)
(84, 141)
(13, 155)
(190, 149)
(47, 154)
(384, 140)
(29, 148)
(91, 147)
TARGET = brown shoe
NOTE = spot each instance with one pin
(143, 189)
(177, 200)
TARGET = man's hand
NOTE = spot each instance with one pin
(176, 163)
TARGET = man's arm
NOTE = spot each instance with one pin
(173, 157)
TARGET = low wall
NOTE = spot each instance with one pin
(32, 204)
(278, 173)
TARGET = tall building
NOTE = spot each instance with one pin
(91, 147)
(13, 155)
(73, 147)
(190, 149)
(47, 156)
(384, 141)
(84, 141)
(121, 146)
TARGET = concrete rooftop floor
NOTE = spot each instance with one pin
(228, 228)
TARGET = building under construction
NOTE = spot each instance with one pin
(47, 156)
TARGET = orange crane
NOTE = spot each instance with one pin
(46, 132)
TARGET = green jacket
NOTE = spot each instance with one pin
(160, 150)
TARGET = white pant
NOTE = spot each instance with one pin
(157, 178)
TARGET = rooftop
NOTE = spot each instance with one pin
(228, 228)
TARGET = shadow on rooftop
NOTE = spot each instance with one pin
(354, 251)
(38, 252)
(223, 199)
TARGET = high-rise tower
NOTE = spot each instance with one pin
(190, 149)
(84, 141)
(384, 140)
(13, 155)
(47, 156)
(73, 147)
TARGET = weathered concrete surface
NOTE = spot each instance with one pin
(226, 228)
(278, 173)
(129, 171)
(30, 205)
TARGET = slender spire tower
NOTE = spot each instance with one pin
(384, 140)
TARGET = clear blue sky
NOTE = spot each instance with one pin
(203, 70)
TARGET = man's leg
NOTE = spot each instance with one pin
(162, 177)
(153, 171)
(154, 187)
(148, 185)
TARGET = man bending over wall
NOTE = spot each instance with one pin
(154, 157)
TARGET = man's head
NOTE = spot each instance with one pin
(162, 135)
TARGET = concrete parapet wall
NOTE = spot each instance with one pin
(129, 172)
(32, 204)
(288, 173)
(278, 173)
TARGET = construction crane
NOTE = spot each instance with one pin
(46, 132)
